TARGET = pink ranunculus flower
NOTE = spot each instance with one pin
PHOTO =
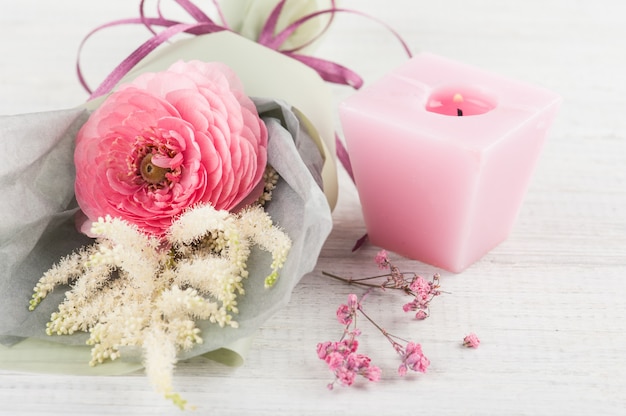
(167, 141)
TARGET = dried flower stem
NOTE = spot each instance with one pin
(351, 281)
(410, 283)
(346, 364)
(340, 356)
(382, 330)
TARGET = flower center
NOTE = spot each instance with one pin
(150, 172)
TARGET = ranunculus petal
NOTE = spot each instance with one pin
(169, 140)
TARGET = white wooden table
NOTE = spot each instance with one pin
(548, 304)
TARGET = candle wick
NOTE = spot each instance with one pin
(458, 98)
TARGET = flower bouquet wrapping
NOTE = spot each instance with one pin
(168, 218)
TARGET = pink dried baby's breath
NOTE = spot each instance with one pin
(382, 259)
(413, 359)
(471, 341)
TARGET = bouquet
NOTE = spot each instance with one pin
(167, 218)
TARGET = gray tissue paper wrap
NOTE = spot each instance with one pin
(38, 207)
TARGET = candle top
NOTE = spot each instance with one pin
(429, 92)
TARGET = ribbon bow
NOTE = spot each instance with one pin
(329, 71)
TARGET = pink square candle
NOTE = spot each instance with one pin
(442, 155)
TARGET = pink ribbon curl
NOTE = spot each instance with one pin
(328, 71)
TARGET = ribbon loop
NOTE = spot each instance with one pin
(329, 71)
(142, 51)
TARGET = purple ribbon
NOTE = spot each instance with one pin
(328, 71)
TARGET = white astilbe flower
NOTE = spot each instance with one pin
(136, 253)
(256, 225)
(224, 284)
(130, 289)
(66, 270)
(198, 222)
(160, 359)
(175, 303)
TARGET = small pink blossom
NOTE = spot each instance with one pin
(345, 375)
(344, 315)
(353, 301)
(417, 305)
(471, 341)
(323, 349)
(423, 291)
(408, 307)
(346, 312)
(343, 360)
(413, 359)
(382, 259)
(420, 285)
(421, 315)
(335, 360)
(326, 349)
(168, 141)
(354, 364)
(372, 373)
